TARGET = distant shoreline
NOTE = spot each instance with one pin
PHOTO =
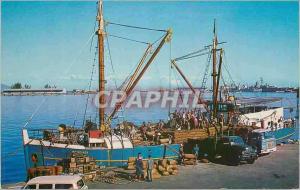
(85, 93)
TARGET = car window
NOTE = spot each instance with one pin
(33, 186)
(63, 186)
(80, 184)
(237, 140)
(45, 186)
(268, 135)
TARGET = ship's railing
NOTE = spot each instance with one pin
(42, 133)
(39, 133)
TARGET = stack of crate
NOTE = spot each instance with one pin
(81, 163)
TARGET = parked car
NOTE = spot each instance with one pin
(263, 140)
(234, 150)
(56, 182)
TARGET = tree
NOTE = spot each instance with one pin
(47, 86)
(27, 86)
(17, 85)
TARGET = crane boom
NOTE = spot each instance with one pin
(200, 100)
(183, 76)
(118, 105)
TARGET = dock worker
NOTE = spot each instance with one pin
(181, 155)
(150, 164)
(196, 151)
(139, 166)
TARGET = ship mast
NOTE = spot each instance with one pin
(214, 73)
(101, 34)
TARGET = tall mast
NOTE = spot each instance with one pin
(101, 34)
(214, 73)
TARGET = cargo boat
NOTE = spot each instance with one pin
(108, 148)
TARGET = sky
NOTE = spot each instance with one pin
(53, 42)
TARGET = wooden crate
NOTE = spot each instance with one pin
(73, 160)
(80, 168)
(80, 160)
(73, 165)
(73, 170)
(86, 168)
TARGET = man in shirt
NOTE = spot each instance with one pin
(150, 164)
(139, 166)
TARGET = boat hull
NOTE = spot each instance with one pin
(49, 155)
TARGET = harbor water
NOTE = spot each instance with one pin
(70, 109)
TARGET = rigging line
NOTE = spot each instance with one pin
(90, 84)
(226, 68)
(159, 39)
(110, 57)
(136, 27)
(129, 39)
(170, 58)
(175, 76)
(80, 52)
(230, 77)
(195, 52)
(205, 70)
(95, 25)
(192, 56)
(33, 114)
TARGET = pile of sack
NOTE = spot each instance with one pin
(131, 163)
(189, 159)
(165, 167)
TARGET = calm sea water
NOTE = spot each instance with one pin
(69, 109)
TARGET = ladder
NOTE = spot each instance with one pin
(204, 80)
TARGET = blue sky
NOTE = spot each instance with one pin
(48, 42)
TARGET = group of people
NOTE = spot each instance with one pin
(195, 119)
(150, 163)
(140, 170)
(190, 119)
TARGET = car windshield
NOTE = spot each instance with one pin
(33, 186)
(237, 140)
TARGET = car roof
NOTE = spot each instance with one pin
(55, 179)
(261, 130)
